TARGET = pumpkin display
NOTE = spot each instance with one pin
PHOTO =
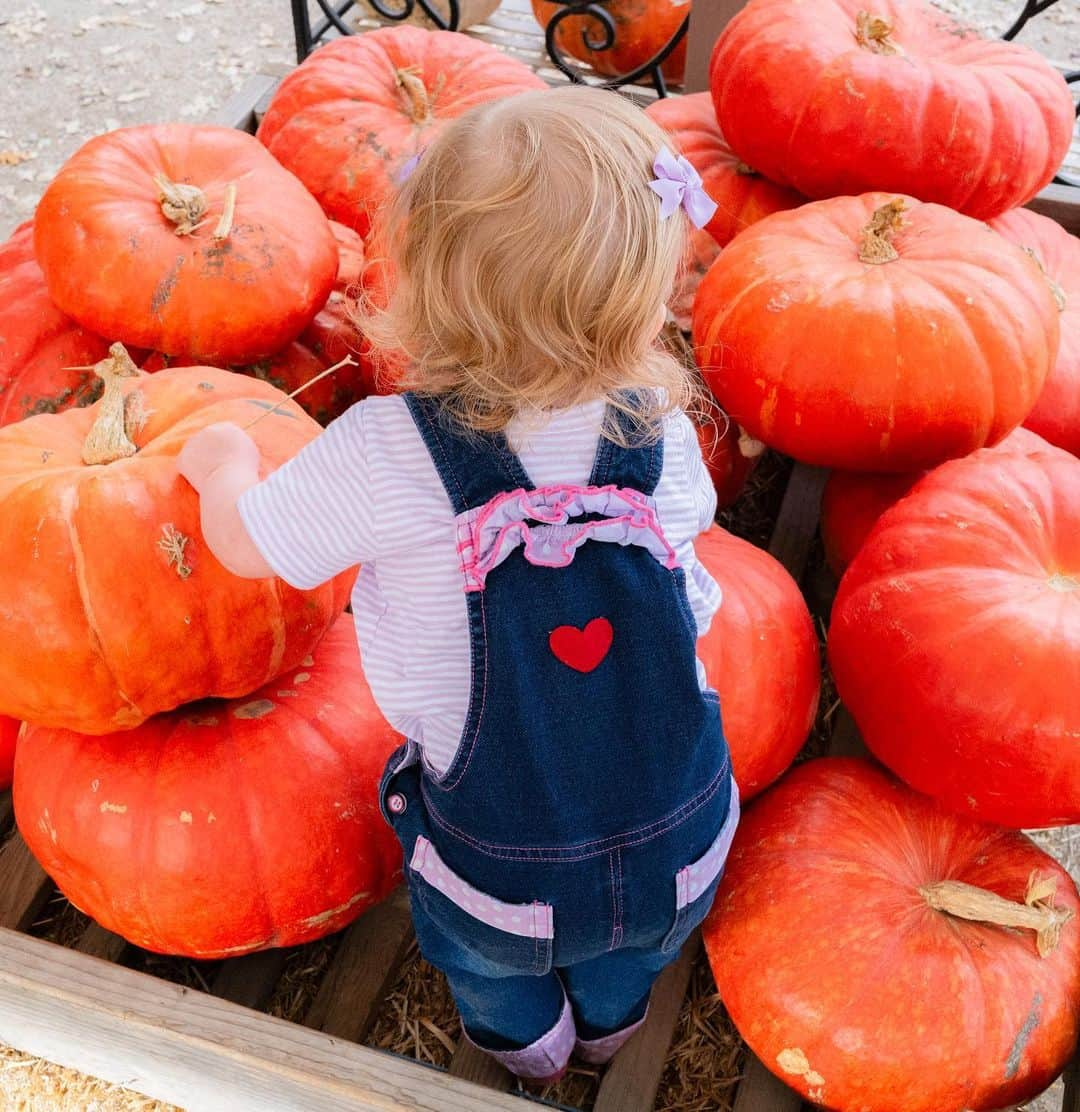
(955, 637)
(187, 240)
(742, 195)
(854, 500)
(225, 826)
(1056, 415)
(348, 119)
(112, 583)
(45, 356)
(761, 655)
(730, 455)
(9, 732)
(833, 97)
(877, 952)
(875, 333)
(642, 28)
(327, 340)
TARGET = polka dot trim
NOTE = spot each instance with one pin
(545, 1057)
(598, 1051)
(692, 881)
(535, 920)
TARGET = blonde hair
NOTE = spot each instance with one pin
(531, 264)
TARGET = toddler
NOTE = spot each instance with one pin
(529, 600)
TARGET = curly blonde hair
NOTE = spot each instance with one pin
(532, 266)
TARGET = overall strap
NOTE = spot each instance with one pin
(473, 467)
(637, 467)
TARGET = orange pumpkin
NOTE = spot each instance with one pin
(875, 333)
(187, 240)
(115, 585)
(225, 826)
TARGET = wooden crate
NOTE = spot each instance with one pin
(213, 1050)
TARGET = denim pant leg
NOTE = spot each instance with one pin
(611, 992)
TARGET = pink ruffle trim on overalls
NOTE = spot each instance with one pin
(488, 534)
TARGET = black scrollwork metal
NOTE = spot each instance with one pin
(308, 36)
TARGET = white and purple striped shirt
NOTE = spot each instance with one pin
(366, 492)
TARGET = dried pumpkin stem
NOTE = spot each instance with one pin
(183, 205)
(108, 437)
(412, 85)
(872, 33)
(348, 361)
(876, 245)
(228, 211)
(1036, 913)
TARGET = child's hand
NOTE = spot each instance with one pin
(214, 447)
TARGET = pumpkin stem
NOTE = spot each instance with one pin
(183, 205)
(108, 437)
(1036, 913)
(876, 244)
(412, 85)
(228, 210)
(745, 171)
(348, 361)
(749, 448)
(872, 33)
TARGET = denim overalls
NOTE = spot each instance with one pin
(579, 834)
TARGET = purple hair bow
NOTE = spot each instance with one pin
(678, 183)
(408, 168)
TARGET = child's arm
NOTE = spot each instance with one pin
(307, 522)
(221, 462)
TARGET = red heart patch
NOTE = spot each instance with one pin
(582, 649)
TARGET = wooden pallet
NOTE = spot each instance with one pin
(218, 1050)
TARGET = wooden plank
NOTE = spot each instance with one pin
(24, 884)
(249, 980)
(474, 1065)
(186, 1047)
(796, 524)
(707, 19)
(363, 969)
(97, 942)
(1060, 203)
(239, 110)
(632, 1079)
(762, 1091)
(1070, 1102)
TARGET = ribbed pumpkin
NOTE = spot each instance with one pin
(9, 732)
(955, 637)
(187, 240)
(348, 119)
(222, 827)
(38, 343)
(837, 97)
(854, 500)
(741, 194)
(761, 655)
(111, 582)
(856, 946)
(329, 338)
(1056, 415)
(642, 29)
(875, 333)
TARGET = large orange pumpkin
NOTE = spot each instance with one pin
(1056, 415)
(222, 827)
(854, 500)
(761, 655)
(741, 194)
(853, 941)
(9, 732)
(875, 333)
(187, 240)
(839, 97)
(955, 637)
(115, 609)
(642, 29)
(348, 119)
(327, 340)
(39, 345)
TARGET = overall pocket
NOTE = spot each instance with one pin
(474, 930)
(696, 884)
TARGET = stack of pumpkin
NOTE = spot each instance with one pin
(868, 940)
